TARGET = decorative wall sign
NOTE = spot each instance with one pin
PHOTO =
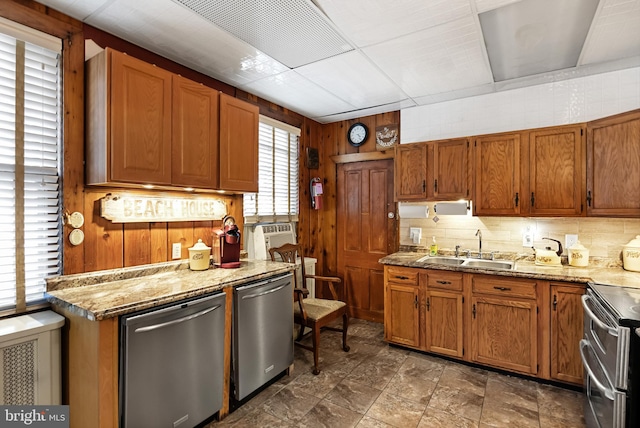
(386, 136)
(124, 208)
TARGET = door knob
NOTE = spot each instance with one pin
(391, 214)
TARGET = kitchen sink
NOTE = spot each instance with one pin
(488, 264)
(441, 260)
(470, 263)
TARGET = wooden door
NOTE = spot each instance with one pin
(411, 171)
(365, 233)
(613, 166)
(497, 174)
(402, 322)
(566, 331)
(444, 323)
(504, 333)
(556, 172)
(140, 124)
(194, 147)
(451, 172)
(238, 145)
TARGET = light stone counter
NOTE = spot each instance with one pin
(110, 293)
(604, 272)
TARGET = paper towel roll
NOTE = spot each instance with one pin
(412, 210)
(451, 208)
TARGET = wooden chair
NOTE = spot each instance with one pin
(311, 312)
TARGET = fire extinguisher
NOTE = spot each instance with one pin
(316, 193)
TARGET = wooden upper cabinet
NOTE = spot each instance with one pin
(195, 154)
(613, 166)
(238, 145)
(497, 174)
(128, 121)
(451, 170)
(410, 172)
(556, 171)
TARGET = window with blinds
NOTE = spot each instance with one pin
(30, 163)
(277, 197)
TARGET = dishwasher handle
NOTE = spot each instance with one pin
(176, 321)
(607, 392)
(273, 290)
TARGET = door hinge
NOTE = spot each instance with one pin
(474, 311)
(467, 144)
(537, 368)
(582, 132)
(463, 352)
(537, 310)
(462, 299)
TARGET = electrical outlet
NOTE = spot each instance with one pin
(569, 240)
(527, 237)
(176, 250)
(415, 233)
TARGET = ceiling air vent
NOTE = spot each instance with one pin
(293, 32)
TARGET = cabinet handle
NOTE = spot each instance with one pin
(402, 277)
(435, 185)
(428, 304)
(533, 199)
(517, 198)
(589, 198)
(555, 302)
(415, 302)
(503, 288)
(474, 311)
(444, 282)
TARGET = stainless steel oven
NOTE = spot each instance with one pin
(610, 355)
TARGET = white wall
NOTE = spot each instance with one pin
(555, 103)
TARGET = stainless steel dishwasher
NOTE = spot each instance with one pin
(172, 364)
(262, 332)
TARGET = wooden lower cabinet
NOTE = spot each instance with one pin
(402, 306)
(566, 331)
(444, 313)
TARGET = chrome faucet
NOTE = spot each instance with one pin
(479, 235)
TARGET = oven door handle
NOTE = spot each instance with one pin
(612, 331)
(608, 392)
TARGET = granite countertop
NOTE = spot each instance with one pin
(110, 293)
(600, 271)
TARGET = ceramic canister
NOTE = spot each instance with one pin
(199, 256)
(631, 255)
(578, 255)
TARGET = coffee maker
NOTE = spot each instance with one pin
(226, 244)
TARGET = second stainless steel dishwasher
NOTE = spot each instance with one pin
(262, 332)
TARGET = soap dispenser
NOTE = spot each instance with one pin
(433, 250)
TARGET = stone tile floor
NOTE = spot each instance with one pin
(376, 385)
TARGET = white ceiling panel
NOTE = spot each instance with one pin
(187, 39)
(293, 91)
(615, 33)
(367, 22)
(395, 54)
(439, 59)
(350, 77)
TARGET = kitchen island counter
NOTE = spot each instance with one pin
(111, 293)
(602, 272)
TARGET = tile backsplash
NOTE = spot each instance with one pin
(604, 237)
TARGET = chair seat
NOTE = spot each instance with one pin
(318, 308)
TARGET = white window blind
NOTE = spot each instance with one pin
(30, 164)
(277, 197)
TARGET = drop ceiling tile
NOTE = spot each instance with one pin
(78, 9)
(439, 59)
(366, 22)
(293, 91)
(615, 34)
(350, 77)
(485, 5)
(194, 43)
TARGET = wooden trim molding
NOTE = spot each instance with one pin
(360, 157)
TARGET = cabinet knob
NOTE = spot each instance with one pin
(555, 302)
(428, 304)
(415, 302)
(444, 282)
(503, 288)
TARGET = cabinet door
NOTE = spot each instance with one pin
(411, 169)
(556, 173)
(504, 333)
(497, 174)
(194, 144)
(140, 125)
(613, 166)
(451, 180)
(238, 145)
(566, 331)
(444, 323)
(401, 314)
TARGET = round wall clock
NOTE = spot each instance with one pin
(357, 134)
